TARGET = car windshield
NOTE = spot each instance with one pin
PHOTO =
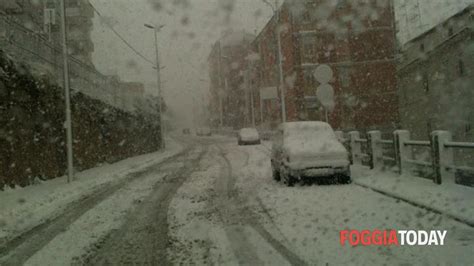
(236, 132)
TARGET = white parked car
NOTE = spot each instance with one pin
(248, 136)
(309, 151)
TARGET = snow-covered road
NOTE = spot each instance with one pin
(216, 203)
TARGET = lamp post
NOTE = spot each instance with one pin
(155, 30)
(220, 93)
(250, 62)
(222, 90)
(67, 95)
(276, 13)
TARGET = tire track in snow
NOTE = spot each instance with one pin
(144, 237)
(230, 211)
(18, 250)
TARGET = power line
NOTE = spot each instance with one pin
(120, 37)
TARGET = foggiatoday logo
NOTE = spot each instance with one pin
(393, 237)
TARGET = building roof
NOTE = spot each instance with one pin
(469, 8)
(236, 38)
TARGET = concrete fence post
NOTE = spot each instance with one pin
(340, 135)
(344, 141)
(402, 152)
(375, 149)
(442, 157)
(355, 146)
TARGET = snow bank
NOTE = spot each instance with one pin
(450, 199)
(308, 219)
(23, 208)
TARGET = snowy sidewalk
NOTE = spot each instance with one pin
(452, 200)
(24, 208)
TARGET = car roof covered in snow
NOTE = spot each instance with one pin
(248, 130)
(305, 125)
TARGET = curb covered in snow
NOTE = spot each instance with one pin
(453, 201)
(25, 208)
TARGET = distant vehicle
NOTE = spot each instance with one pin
(309, 151)
(186, 131)
(248, 136)
(203, 131)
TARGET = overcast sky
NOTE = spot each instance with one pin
(184, 43)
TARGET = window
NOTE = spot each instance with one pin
(422, 47)
(308, 48)
(461, 68)
(344, 76)
(467, 128)
(341, 4)
(426, 84)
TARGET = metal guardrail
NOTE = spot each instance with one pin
(422, 163)
(462, 168)
(344, 140)
(461, 145)
(383, 141)
(378, 150)
(386, 158)
(417, 143)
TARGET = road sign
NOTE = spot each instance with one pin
(268, 93)
(323, 74)
(325, 92)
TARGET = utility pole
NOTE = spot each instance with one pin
(276, 14)
(250, 91)
(226, 85)
(67, 96)
(220, 92)
(247, 92)
(280, 63)
(253, 108)
(160, 102)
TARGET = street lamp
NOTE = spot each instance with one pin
(276, 13)
(67, 95)
(222, 91)
(157, 67)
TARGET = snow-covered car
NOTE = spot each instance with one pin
(308, 151)
(203, 131)
(248, 136)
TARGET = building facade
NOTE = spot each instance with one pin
(228, 80)
(30, 33)
(356, 39)
(43, 18)
(435, 79)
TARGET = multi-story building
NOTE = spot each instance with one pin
(30, 33)
(435, 79)
(355, 38)
(80, 15)
(267, 80)
(43, 18)
(227, 64)
(132, 94)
